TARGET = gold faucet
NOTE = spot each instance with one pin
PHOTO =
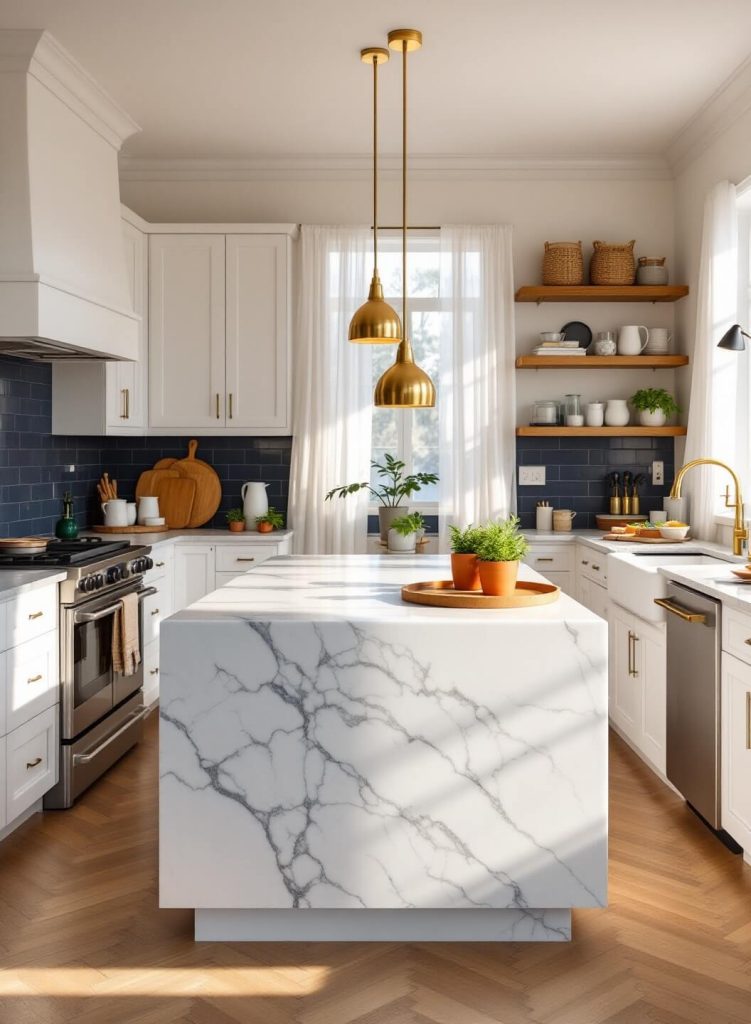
(740, 533)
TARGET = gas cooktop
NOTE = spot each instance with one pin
(82, 551)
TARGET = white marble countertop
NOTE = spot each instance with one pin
(13, 581)
(713, 580)
(593, 539)
(200, 535)
(360, 588)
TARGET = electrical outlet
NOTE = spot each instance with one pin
(531, 476)
(658, 473)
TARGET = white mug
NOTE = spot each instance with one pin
(148, 508)
(629, 340)
(659, 340)
(132, 513)
(115, 512)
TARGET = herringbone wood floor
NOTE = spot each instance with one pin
(81, 938)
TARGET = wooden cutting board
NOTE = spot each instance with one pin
(208, 493)
(176, 497)
(148, 482)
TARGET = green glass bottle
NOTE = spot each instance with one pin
(66, 528)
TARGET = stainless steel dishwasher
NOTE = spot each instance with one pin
(693, 698)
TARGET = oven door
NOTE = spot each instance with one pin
(90, 686)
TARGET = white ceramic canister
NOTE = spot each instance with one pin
(255, 503)
(544, 518)
(594, 414)
(148, 508)
(616, 413)
(132, 513)
(659, 341)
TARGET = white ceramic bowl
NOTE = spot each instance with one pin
(154, 521)
(552, 336)
(673, 532)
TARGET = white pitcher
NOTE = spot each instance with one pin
(629, 340)
(255, 503)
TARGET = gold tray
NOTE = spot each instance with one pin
(441, 594)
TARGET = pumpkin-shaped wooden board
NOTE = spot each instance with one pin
(208, 486)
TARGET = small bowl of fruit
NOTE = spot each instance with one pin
(673, 529)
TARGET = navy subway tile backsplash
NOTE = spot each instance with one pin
(577, 469)
(34, 463)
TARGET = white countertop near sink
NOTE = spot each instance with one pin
(13, 581)
(704, 578)
(199, 535)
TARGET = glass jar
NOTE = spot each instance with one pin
(572, 405)
(545, 413)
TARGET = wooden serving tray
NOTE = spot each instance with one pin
(631, 538)
(131, 529)
(441, 594)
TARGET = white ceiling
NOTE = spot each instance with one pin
(265, 78)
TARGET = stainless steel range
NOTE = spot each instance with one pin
(101, 711)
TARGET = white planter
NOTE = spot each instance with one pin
(616, 413)
(399, 542)
(652, 419)
(255, 503)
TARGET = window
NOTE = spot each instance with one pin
(411, 434)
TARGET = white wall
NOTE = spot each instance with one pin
(613, 210)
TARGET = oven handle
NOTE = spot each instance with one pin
(136, 715)
(95, 616)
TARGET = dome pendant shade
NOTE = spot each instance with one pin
(732, 339)
(404, 385)
(375, 322)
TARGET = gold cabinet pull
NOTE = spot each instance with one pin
(245, 559)
(632, 639)
(123, 404)
(127, 403)
(748, 641)
(544, 559)
(584, 561)
(217, 405)
(35, 679)
(34, 763)
(155, 612)
(748, 719)
(669, 606)
(595, 567)
(159, 565)
(35, 615)
(154, 672)
(230, 405)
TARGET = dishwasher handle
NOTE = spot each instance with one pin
(682, 613)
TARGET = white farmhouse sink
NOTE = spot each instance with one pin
(635, 580)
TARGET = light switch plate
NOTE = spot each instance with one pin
(531, 476)
(658, 473)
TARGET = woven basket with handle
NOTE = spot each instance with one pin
(563, 263)
(612, 264)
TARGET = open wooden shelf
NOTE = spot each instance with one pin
(601, 293)
(600, 431)
(599, 362)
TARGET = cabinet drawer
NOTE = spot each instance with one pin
(736, 634)
(30, 614)
(558, 558)
(151, 673)
(162, 557)
(238, 558)
(564, 580)
(31, 761)
(31, 679)
(156, 608)
(592, 565)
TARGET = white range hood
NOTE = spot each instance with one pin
(63, 285)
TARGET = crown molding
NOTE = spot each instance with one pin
(38, 54)
(723, 108)
(426, 168)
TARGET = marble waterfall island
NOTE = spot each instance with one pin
(337, 764)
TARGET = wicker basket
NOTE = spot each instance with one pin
(563, 263)
(612, 264)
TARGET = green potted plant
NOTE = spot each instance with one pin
(465, 568)
(235, 520)
(394, 487)
(272, 520)
(500, 548)
(402, 535)
(654, 406)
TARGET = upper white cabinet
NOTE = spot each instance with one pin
(94, 397)
(219, 333)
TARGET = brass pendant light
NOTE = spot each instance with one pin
(375, 322)
(404, 385)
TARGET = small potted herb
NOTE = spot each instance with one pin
(235, 520)
(500, 548)
(654, 406)
(403, 532)
(272, 520)
(394, 487)
(465, 568)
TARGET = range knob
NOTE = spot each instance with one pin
(114, 574)
(88, 583)
(98, 581)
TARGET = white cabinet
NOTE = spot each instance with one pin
(593, 596)
(108, 397)
(31, 679)
(194, 573)
(219, 333)
(736, 750)
(31, 758)
(555, 562)
(638, 671)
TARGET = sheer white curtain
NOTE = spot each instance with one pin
(714, 379)
(332, 399)
(476, 400)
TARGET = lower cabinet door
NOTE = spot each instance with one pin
(151, 673)
(3, 815)
(736, 750)
(31, 679)
(31, 761)
(652, 663)
(625, 679)
(194, 573)
(564, 580)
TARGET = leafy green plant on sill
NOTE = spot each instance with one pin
(405, 525)
(235, 515)
(501, 541)
(395, 485)
(274, 518)
(464, 542)
(654, 399)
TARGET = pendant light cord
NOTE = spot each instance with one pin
(405, 322)
(375, 165)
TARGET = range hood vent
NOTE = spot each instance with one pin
(63, 282)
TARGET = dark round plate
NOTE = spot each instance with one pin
(577, 331)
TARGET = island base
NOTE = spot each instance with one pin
(383, 925)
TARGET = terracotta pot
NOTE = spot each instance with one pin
(265, 527)
(465, 572)
(498, 579)
(237, 527)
